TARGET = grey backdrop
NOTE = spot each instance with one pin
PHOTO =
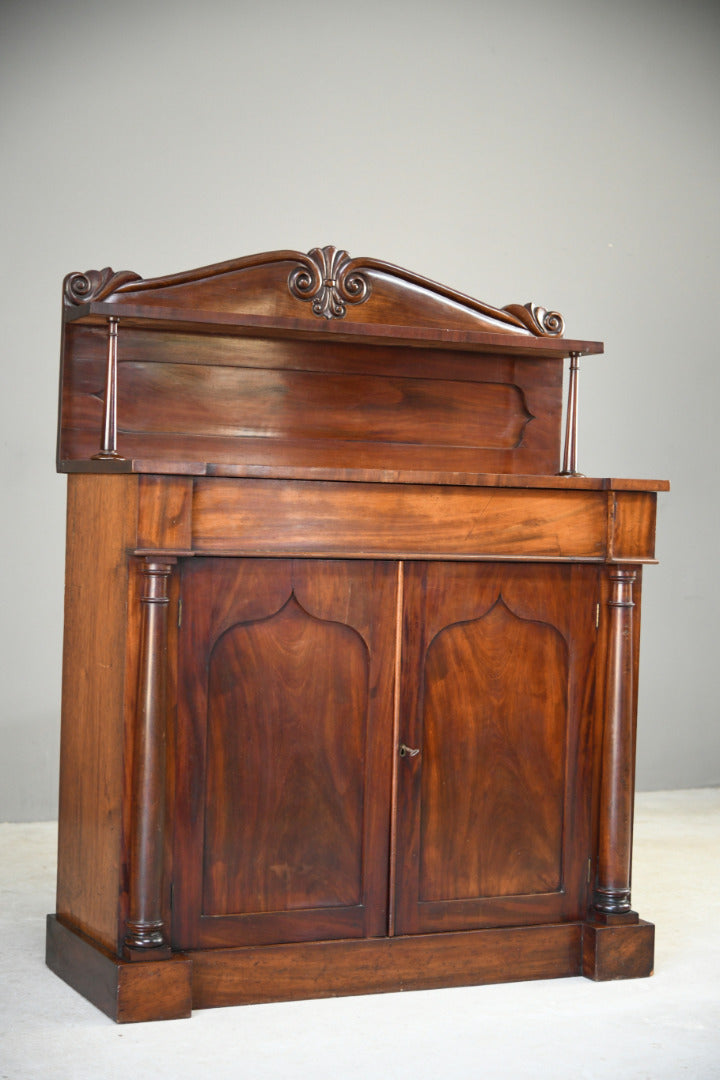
(564, 152)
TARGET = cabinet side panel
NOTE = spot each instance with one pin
(101, 525)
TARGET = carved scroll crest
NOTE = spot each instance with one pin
(95, 284)
(538, 319)
(328, 278)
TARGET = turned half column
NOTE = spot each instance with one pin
(611, 898)
(146, 936)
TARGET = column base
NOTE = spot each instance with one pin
(126, 991)
(618, 950)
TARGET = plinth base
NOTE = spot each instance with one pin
(617, 951)
(168, 989)
(126, 991)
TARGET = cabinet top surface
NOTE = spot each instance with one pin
(248, 471)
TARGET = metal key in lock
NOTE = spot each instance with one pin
(408, 751)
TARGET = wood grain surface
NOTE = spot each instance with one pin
(386, 520)
(223, 977)
(371, 725)
(285, 723)
(100, 638)
(483, 809)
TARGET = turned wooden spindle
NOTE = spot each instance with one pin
(612, 888)
(146, 936)
(108, 449)
(571, 420)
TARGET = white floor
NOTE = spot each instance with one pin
(664, 1027)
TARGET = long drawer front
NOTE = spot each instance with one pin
(225, 516)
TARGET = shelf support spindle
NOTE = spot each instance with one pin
(571, 420)
(108, 448)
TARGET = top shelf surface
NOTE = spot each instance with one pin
(184, 320)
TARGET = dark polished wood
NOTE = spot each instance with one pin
(350, 668)
(126, 992)
(284, 725)
(612, 888)
(618, 952)
(482, 808)
(223, 977)
(394, 521)
(335, 285)
(145, 933)
(319, 404)
(101, 638)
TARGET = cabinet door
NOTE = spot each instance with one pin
(494, 810)
(283, 774)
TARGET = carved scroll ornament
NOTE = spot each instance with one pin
(326, 278)
(329, 280)
(95, 284)
(538, 319)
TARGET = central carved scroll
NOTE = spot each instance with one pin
(329, 280)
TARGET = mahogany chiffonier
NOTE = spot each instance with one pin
(350, 660)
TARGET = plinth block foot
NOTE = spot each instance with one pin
(126, 991)
(618, 951)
